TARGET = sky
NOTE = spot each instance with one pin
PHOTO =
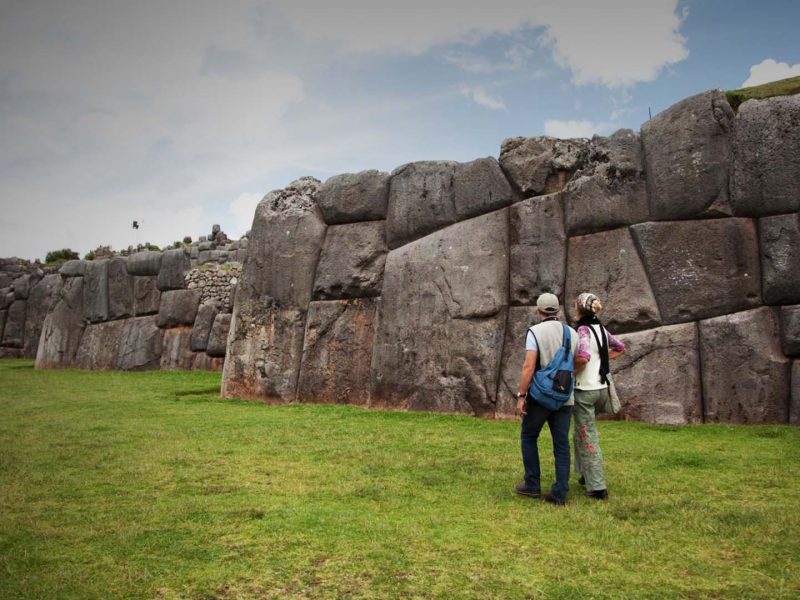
(184, 113)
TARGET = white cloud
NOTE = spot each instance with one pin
(516, 58)
(770, 70)
(482, 98)
(574, 129)
(243, 208)
(614, 43)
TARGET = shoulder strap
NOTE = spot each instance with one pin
(538, 349)
(566, 338)
(596, 337)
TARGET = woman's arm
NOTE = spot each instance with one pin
(615, 347)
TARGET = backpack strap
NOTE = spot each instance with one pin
(567, 338)
(538, 349)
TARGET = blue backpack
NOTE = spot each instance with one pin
(552, 386)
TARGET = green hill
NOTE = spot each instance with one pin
(784, 87)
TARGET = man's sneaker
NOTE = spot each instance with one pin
(548, 497)
(598, 494)
(524, 490)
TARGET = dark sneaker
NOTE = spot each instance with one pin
(582, 480)
(548, 497)
(524, 490)
(598, 494)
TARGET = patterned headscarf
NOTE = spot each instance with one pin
(586, 301)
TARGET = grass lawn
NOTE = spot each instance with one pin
(148, 485)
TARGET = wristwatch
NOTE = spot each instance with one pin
(520, 395)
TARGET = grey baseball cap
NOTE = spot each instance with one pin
(547, 303)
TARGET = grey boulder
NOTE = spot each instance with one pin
(542, 165)
(687, 153)
(62, 328)
(421, 200)
(41, 301)
(176, 353)
(337, 352)
(607, 264)
(120, 289)
(352, 261)
(202, 325)
(352, 197)
(14, 330)
(766, 157)
(700, 269)
(145, 263)
(779, 237)
(520, 318)
(99, 347)
(658, 376)
(480, 187)
(95, 291)
(73, 268)
(538, 248)
(146, 295)
(140, 345)
(746, 377)
(790, 330)
(441, 320)
(174, 266)
(218, 336)
(178, 307)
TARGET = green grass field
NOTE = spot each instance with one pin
(148, 485)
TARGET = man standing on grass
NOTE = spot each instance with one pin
(542, 342)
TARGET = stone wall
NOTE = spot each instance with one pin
(414, 289)
(148, 310)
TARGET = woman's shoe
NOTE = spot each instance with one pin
(598, 494)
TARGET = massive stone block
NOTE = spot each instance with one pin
(790, 330)
(421, 200)
(73, 268)
(99, 347)
(63, 327)
(218, 337)
(597, 202)
(264, 353)
(766, 157)
(202, 325)
(337, 352)
(140, 345)
(538, 248)
(14, 331)
(174, 266)
(41, 300)
(120, 289)
(746, 377)
(146, 295)
(658, 377)
(780, 258)
(95, 291)
(354, 197)
(618, 156)
(607, 264)
(287, 236)
(176, 353)
(3, 317)
(266, 339)
(146, 263)
(352, 261)
(23, 285)
(442, 318)
(520, 318)
(542, 165)
(794, 408)
(480, 187)
(700, 269)
(6, 298)
(687, 153)
(178, 307)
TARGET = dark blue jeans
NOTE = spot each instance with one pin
(532, 424)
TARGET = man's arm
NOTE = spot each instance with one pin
(525, 379)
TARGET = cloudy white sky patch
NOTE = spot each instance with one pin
(165, 112)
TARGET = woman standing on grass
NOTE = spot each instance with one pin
(595, 347)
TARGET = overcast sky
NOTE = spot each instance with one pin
(184, 113)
